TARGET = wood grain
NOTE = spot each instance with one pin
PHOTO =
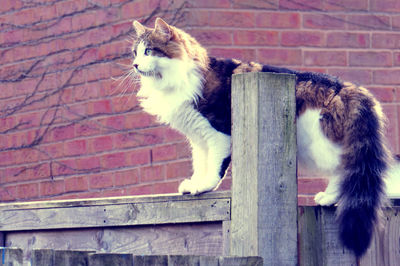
(179, 239)
(114, 212)
(264, 187)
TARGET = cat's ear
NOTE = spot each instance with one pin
(139, 28)
(162, 28)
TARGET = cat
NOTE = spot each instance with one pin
(339, 125)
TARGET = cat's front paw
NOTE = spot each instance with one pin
(187, 186)
(325, 199)
(195, 187)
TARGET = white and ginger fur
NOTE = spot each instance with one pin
(171, 86)
(170, 97)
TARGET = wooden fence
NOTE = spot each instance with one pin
(259, 217)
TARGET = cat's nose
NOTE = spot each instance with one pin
(135, 66)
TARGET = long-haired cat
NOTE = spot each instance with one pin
(339, 124)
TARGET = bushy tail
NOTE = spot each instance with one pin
(362, 188)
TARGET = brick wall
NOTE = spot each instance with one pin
(70, 125)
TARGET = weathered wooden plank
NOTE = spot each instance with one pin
(319, 243)
(392, 237)
(226, 233)
(264, 189)
(241, 261)
(113, 200)
(107, 259)
(2, 239)
(178, 239)
(11, 256)
(121, 214)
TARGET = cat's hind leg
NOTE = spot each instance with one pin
(331, 194)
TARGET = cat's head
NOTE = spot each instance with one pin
(162, 49)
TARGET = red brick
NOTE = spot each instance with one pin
(255, 4)
(64, 167)
(368, 22)
(303, 5)
(87, 128)
(226, 184)
(139, 120)
(114, 160)
(344, 5)
(98, 71)
(359, 76)
(8, 5)
(209, 36)
(50, 188)
(7, 90)
(116, 122)
(395, 22)
(243, 54)
(386, 40)
(28, 191)
(53, 150)
(124, 103)
(324, 21)
(386, 77)
(166, 187)
(194, 17)
(172, 135)
(74, 184)
(136, 9)
(302, 38)
(231, 18)
(164, 153)
(70, 6)
(127, 177)
(311, 185)
(85, 20)
(139, 157)
(210, 3)
(277, 20)
(280, 56)
(140, 190)
(100, 107)
(179, 169)
(114, 193)
(101, 180)
(325, 58)
(75, 147)
(254, 37)
(152, 173)
(88, 164)
(8, 193)
(385, 5)
(383, 94)
(26, 155)
(348, 40)
(101, 143)
(39, 171)
(113, 49)
(63, 133)
(127, 140)
(396, 58)
(370, 59)
(150, 136)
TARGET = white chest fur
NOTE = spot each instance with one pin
(180, 85)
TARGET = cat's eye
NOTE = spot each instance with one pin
(148, 51)
(134, 52)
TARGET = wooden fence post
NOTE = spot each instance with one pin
(264, 188)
